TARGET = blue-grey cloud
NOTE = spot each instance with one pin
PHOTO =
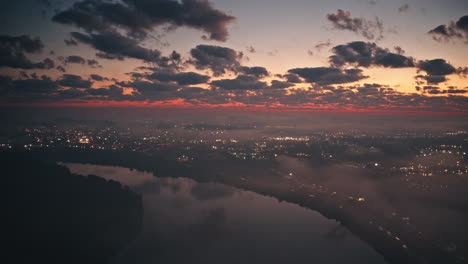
(329, 75)
(454, 30)
(140, 17)
(370, 29)
(13, 50)
(74, 81)
(218, 59)
(367, 54)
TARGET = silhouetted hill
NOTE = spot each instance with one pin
(53, 216)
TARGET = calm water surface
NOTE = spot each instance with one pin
(190, 222)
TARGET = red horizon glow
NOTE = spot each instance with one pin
(241, 108)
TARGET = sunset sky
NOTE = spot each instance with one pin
(353, 55)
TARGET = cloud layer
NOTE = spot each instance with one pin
(370, 29)
(13, 50)
(128, 33)
(452, 31)
(140, 17)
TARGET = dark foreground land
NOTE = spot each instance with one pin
(53, 216)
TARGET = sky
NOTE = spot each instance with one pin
(297, 55)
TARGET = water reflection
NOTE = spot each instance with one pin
(190, 222)
(123, 175)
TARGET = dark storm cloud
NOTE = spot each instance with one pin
(441, 30)
(104, 95)
(319, 46)
(292, 78)
(327, 75)
(367, 54)
(13, 50)
(187, 78)
(246, 82)
(432, 79)
(454, 30)
(246, 90)
(23, 75)
(452, 90)
(403, 8)
(257, 71)
(98, 91)
(192, 92)
(251, 49)
(437, 67)
(436, 71)
(94, 64)
(175, 56)
(102, 16)
(74, 59)
(148, 87)
(97, 77)
(118, 46)
(367, 96)
(22, 43)
(198, 14)
(114, 46)
(241, 82)
(457, 91)
(275, 84)
(140, 17)
(462, 71)
(218, 59)
(322, 45)
(435, 91)
(116, 93)
(44, 89)
(368, 90)
(74, 81)
(370, 29)
(462, 23)
(426, 88)
(183, 78)
(34, 86)
(72, 93)
(70, 42)
(108, 56)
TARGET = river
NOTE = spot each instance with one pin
(190, 222)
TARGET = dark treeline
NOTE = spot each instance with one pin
(53, 216)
